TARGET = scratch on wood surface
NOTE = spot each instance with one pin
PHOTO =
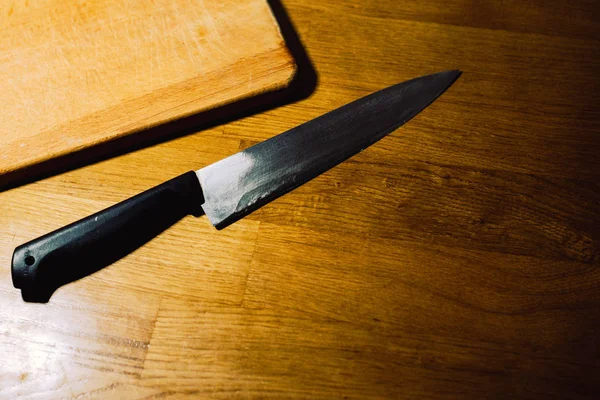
(250, 82)
(215, 39)
(152, 329)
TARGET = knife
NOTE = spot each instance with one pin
(225, 191)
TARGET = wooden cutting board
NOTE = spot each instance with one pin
(77, 73)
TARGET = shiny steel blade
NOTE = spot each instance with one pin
(243, 182)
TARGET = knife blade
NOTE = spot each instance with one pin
(225, 191)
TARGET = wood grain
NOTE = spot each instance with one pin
(77, 74)
(457, 258)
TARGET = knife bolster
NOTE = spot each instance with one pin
(42, 265)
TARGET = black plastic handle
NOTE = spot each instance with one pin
(42, 265)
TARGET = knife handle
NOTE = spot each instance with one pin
(42, 265)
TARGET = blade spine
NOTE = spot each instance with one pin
(343, 107)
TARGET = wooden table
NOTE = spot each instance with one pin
(457, 258)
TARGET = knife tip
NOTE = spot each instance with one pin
(450, 76)
(455, 72)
